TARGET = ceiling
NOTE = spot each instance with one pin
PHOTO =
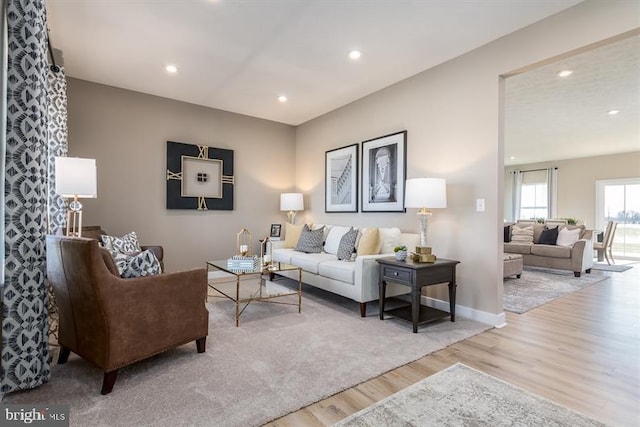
(240, 56)
(548, 117)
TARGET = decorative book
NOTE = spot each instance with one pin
(243, 263)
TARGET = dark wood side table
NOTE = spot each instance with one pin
(418, 275)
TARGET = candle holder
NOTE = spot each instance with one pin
(244, 242)
(266, 252)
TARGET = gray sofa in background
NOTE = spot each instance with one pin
(577, 258)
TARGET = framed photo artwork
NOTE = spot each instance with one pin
(341, 179)
(276, 230)
(384, 162)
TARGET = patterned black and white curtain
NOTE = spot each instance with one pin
(25, 353)
(57, 145)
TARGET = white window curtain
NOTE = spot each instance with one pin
(552, 192)
(516, 190)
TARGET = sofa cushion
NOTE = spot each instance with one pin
(347, 245)
(390, 238)
(551, 251)
(368, 241)
(310, 262)
(549, 236)
(338, 270)
(282, 255)
(522, 234)
(125, 244)
(310, 241)
(333, 238)
(292, 234)
(518, 248)
(144, 263)
(537, 232)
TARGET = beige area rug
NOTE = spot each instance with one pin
(276, 362)
(539, 286)
(463, 396)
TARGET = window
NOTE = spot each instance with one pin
(533, 201)
(619, 200)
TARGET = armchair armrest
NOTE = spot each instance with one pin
(148, 315)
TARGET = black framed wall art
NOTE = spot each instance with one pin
(341, 179)
(384, 161)
(199, 177)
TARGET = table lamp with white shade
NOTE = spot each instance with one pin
(291, 202)
(425, 194)
(75, 178)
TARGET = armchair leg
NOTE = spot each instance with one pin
(588, 271)
(363, 309)
(63, 356)
(201, 344)
(109, 381)
(577, 273)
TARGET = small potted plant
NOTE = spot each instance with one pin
(401, 252)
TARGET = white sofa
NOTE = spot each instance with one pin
(356, 279)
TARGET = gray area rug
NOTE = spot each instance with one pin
(603, 266)
(463, 396)
(539, 286)
(276, 362)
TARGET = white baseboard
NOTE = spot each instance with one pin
(495, 320)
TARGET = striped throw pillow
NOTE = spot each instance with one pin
(522, 234)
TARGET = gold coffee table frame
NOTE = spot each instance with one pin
(261, 294)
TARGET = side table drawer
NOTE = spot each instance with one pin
(396, 274)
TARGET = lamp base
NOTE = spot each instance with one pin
(74, 223)
(291, 217)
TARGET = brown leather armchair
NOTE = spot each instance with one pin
(113, 322)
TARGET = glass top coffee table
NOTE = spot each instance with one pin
(251, 285)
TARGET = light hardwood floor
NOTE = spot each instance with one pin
(581, 351)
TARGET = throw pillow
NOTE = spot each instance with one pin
(507, 233)
(568, 237)
(347, 245)
(125, 244)
(369, 242)
(291, 235)
(310, 240)
(140, 264)
(334, 237)
(549, 236)
(390, 238)
(522, 234)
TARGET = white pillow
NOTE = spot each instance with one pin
(568, 237)
(390, 238)
(332, 241)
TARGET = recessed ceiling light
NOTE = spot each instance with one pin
(355, 54)
(613, 112)
(282, 98)
(171, 69)
(512, 158)
(565, 73)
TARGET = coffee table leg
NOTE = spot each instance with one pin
(237, 301)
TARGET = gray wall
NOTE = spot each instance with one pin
(453, 117)
(452, 114)
(127, 132)
(577, 182)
